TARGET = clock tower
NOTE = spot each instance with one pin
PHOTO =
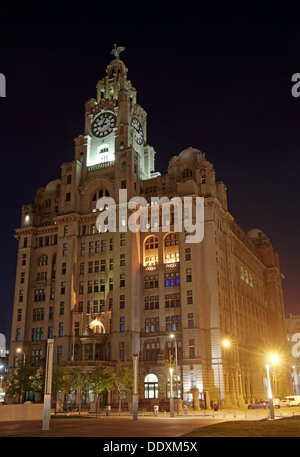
(116, 127)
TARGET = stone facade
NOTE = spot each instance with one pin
(119, 293)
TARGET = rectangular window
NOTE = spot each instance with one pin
(40, 295)
(122, 351)
(61, 329)
(122, 280)
(50, 332)
(38, 314)
(91, 247)
(18, 334)
(190, 320)
(172, 279)
(76, 328)
(173, 323)
(122, 260)
(192, 349)
(188, 254)
(37, 334)
(80, 288)
(122, 301)
(152, 325)
(188, 275)
(59, 353)
(122, 324)
(189, 297)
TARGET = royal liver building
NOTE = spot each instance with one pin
(112, 293)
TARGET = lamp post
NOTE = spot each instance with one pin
(48, 384)
(171, 394)
(273, 358)
(176, 371)
(19, 350)
(135, 388)
(225, 343)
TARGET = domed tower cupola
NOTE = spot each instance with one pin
(116, 79)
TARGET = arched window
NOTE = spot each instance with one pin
(47, 203)
(97, 326)
(187, 173)
(103, 152)
(171, 248)
(99, 194)
(151, 386)
(42, 260)
(150, 251)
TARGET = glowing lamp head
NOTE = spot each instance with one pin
(226, 343)
(273, 358)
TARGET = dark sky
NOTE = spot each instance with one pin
(214, 76)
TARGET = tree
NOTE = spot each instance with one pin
(99, 380)
(64, 379)
(24, 379)
(122, 379)
(37, 381)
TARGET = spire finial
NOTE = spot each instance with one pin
(117, 51)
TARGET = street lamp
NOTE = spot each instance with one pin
(274, 359)
(19, 350)
(226, 343)
(176, 358)
(171, 394)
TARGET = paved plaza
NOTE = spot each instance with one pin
(124, 426)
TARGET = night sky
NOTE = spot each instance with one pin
(214, 76)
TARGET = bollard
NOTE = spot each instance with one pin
(234, 414)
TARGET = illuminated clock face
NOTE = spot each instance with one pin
(104, 124)
(138, 130)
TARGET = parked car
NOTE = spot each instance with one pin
(276, 402)
(263, 404)
(290, 400)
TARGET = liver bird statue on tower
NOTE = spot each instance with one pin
(117, 51)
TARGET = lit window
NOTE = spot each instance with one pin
(171, 248)
(151, 251)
